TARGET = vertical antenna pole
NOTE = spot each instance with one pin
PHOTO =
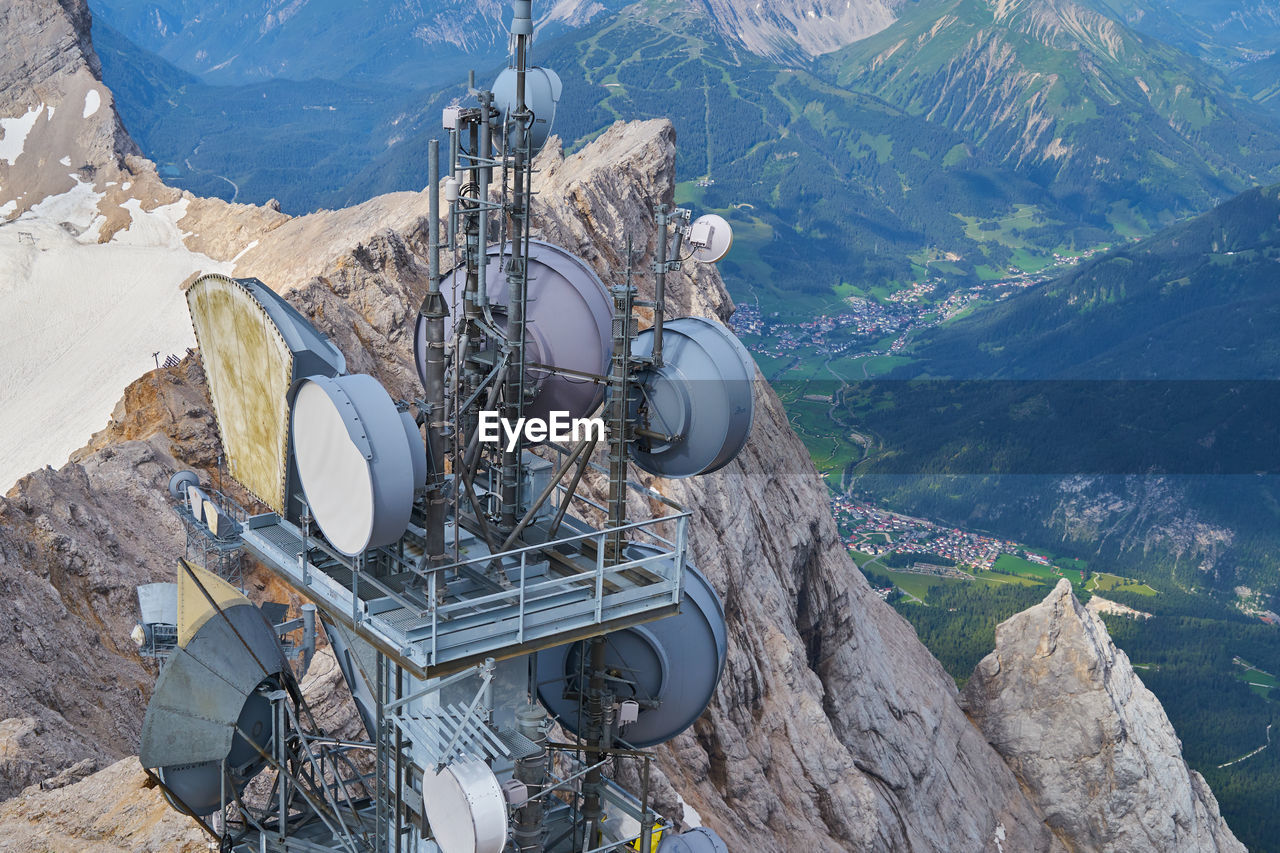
(517, 271)
(660, 285)
(434, 312)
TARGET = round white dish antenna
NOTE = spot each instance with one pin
(542, 88)
(466, 808)
(711, 237)
(354, 461)
(701, 400)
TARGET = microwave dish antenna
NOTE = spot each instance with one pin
(355, 461)
(542, 88)
(671, 667)
(696, 410)
(179, 483)
(466, 807)
(568, 327)
(711, 237)
(254, 347)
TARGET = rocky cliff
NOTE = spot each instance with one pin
(1090, 744)
(833, 728)
(789, 30)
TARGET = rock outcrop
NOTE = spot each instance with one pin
(1091, 744)
(112, 811)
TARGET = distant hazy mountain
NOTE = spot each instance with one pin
(415, 43)
(1122, 125)
(1219, 31)
(1196, 301)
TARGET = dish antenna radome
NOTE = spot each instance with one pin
(542, 90)
(568, 326)
(673, 665)
(711, 237)
(356, 463)
(701, 400)
(465, 807)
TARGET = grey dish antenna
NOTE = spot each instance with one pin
(711, 237)
(356, 460)
(209, 719)
(671, 666)
(697, 408)
(568, 327)
(541, 96)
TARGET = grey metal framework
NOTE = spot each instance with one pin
(223, 555)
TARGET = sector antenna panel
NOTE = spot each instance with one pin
(254, 346)
(568, 326)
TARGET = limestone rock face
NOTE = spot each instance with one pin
(112, 811)
(1091, 744)
(788, 29)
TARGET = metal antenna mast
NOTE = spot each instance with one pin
(472, 593)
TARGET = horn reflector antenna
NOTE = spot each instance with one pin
(355, 461)
(568, 327)
(671, 667)
(254, 346)
(209, 713)
(696, 410)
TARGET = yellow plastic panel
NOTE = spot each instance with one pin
(249, 368)
(194, 608)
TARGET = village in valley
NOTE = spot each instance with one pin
(915, 553)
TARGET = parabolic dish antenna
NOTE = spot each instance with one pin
(179, 483)
(696, 840)
(542, 88)
(702, 398)
(254, 346)
(465, 807)
(355, 461)
(209, 708)
(568, 327)
(675, 662)
(711, 237)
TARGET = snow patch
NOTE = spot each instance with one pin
(245, 250)
(15, 133)
(66, 161)
(80, 322)
(77, 207)
(690, 817)
(92, 100)
(8, 207)
(154, 228)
